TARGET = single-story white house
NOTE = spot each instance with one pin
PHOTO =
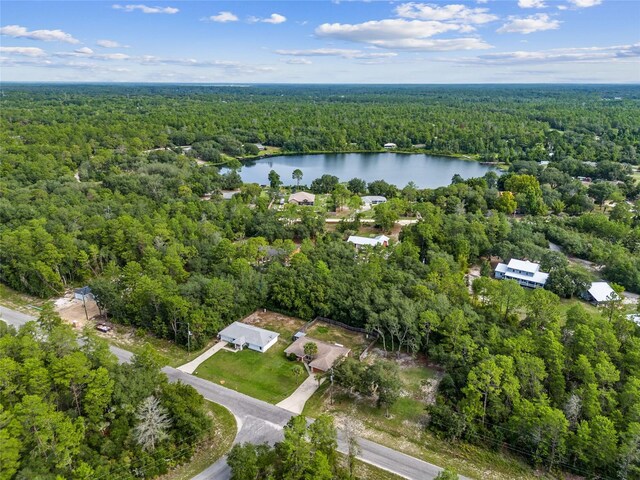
(373, 199)
(600, 292)
(241, 335)
(526, 273)
(229, 194)
(371, 242)
(390, 145)
(302, 198)
(83, 294)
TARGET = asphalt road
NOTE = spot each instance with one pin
(260, 422)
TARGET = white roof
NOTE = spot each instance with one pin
(602, 291)
(373, 198)
(379, 240)
(390, 145)
(524, 265)
(538, 277)
(243, 333)
(302, 197)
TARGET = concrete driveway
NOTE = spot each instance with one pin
(296, 401)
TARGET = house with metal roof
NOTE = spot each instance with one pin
(241, 335)
(83, 294)
(366, 241)
(328, 354)
(526, 273)
(600, 292)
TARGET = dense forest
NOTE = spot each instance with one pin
(69, 410)
(82, 200)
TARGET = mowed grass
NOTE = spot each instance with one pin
(267, 376)
(210, 449)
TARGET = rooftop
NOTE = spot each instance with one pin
(379, 240)
(243, 333)
(327, 354)
(524, 265)
(602, 291)
(302, 197)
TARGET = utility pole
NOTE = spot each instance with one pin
(188, 338)
(331, 386)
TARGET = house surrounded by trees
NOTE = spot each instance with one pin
(526, 273)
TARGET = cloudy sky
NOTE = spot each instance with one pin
(481, 41)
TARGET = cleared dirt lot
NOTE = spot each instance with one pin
(73, 311)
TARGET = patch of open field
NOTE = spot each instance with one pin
(21, 302)
(404, 429)
(325, 332)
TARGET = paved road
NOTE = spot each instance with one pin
(260, 422)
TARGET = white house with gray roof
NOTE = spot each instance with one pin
(241, 335)
(373, 199)
(366, 241)
(526, 273)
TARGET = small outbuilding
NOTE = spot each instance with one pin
(241, 335)
(370, 242)
(390, 146)
(83, 294)
(328, 354)
(302, 198)
(600, 293)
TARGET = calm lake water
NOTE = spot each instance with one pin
(426, 171)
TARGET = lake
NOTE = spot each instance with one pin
(426, 171)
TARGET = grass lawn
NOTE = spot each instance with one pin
(366, 471)
(21, 302)
(267, 376)
(168, 352)
(212, 448)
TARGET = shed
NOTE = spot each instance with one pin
(390, 145)
(83, 294)
(600, 292)
(241, 335)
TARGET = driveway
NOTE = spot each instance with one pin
(260, 422)
(295, 402)
(195, 363)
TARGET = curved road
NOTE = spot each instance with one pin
(260, 422)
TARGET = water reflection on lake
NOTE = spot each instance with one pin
(426, 171)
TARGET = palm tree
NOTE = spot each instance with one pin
(297, 176)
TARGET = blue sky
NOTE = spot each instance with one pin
(482, 41)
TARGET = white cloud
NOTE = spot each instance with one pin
(17, 31)
(146, 9)
(402, 34)
(23, 51)
(585, 3)
(110, 44)
(222, 17)
(533, 23)
(456, 13)
(336, 52)
(557, 55)
(274, 18)
(299, 61)
(86, 52)
(532, 4)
